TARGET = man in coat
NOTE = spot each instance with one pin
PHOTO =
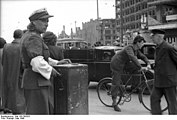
(165, 74)
(12, 75)
(2, 43)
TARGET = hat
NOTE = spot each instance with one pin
(157, 31)
(39, 14)
(138, 38)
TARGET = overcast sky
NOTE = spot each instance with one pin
(15, 13)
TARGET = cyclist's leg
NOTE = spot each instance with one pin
(115, 89)
(136, 79)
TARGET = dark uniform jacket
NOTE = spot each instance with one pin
(122, 59)
(33, 46)
(165, 65)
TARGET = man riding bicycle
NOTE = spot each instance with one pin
(126, 59)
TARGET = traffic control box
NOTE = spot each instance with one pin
(71, 89)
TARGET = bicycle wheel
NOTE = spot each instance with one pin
(104, 92)
(145, 96)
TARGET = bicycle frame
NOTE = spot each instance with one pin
(144, 87)
(142, 82)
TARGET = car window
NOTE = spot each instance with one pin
(104, 55)
(149, 51)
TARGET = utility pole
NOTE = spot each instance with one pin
(98, 23)
(97, 11)
(121, 23)
(75, 29)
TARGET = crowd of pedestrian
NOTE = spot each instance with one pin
(26, 69)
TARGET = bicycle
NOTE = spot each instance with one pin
(144, 88)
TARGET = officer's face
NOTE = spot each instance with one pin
(41, 25)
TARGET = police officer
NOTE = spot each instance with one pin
(37, 71)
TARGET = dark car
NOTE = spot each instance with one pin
(98, 59)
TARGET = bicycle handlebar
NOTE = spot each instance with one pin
(144, 70)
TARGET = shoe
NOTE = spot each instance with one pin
(7, 111)
(116, 108)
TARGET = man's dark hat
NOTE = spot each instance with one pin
(157, 31)
(138, 38)
(39, 14)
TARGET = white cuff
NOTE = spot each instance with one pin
(41, 66)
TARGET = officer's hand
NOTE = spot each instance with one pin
(68, 60)
(64, 61)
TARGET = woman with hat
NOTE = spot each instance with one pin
(37, 70)
(126, 60)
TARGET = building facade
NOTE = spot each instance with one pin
(102, 31)
(108, 31)
(166, 12)
(63, 34)
(90, 32)
(145, 15)
(131, 16)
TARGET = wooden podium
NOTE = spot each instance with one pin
(71, 89)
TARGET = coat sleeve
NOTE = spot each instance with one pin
(34, 46)
(130, 52)
(3, 54)
(143, 57)
(173, 54)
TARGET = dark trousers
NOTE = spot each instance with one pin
(170, 96)
(116, 80)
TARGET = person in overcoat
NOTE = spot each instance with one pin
(50, 40)
(126, 59)
(2, 43)
(165, 74)
(56, 53)
(37, 70)
(12, 75)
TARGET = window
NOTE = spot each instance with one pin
(107, 31)
(107, 37)
(107, 26)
